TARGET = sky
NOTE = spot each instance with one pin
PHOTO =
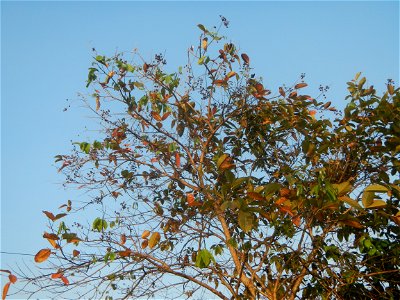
(46, 51)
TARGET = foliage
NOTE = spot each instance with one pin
(205, 180)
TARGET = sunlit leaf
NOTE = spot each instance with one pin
(154, 239)
(42, 255)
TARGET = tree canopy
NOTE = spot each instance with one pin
(204, 181)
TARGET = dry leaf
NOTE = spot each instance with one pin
(42, 255)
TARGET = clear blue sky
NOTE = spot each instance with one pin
(46, 50)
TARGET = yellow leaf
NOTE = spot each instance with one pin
(377, 204)
(42, 255)
(154, 239)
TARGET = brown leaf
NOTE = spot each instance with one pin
(282, 92)
(164, 116)
(245, 58)
(156, 116)
(230, 74)
(286, 209)
(177, 160)
(42, 255)
(144, 243)
(353, 223)
(97, 103)
(300, 85)
(50, 236)
(145, 67)
(255, 196)
(49, 215)
(12, 278)
(125, 253)
(123, 239)
(5, 290)
(75, 253)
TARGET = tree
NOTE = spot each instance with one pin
(205, 181)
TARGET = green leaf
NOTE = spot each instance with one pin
(154, 239)
(237, 182)
(99, 224)
(246, 221)
(204, 258)
(201, 26)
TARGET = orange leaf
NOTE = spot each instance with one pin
(245, 58)
(154, 159)
(191, 201)
(156, 116)
(42, 255)
(53, 243)
(300, 85)
(281, 200)
(255, 196)
(59, 216)
(284, 192)
(312, 113)
(145, 234)
(65, 280)
(57, 275)
(123, 239)
(75, 253)
(50, 236)
(177, 159)
(12, 278)
(5, 290)
(293, 94)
